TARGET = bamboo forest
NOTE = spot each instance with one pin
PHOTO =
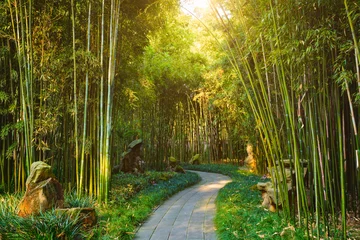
(204, 85)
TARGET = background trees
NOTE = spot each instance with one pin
(58, 93)
(82, 79)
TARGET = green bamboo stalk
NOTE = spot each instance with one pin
(21, 44)
(315, 161)
(341, 169)
(101, 128)
(114, 27)
(85, 105)
(27, 106)
(75, 100)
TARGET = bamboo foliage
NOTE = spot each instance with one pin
(292, 64)
(57, 135)
(71, 86)
(312, 132)
(21, 24)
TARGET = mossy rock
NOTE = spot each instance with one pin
(179, 169)
(195, 160)
(173, 162)
(172, 159)
(135, 143)
(124, 153)
(39, 171)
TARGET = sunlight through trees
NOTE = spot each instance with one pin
(81, 79)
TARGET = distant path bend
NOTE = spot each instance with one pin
(188, 215)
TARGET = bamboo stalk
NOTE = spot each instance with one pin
(75, 100)
(101, 135)
(85, 106)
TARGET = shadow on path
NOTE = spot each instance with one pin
(188, 215)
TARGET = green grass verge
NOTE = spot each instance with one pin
(239, 212)
(133, 198)
(48, 225)
(122, 217)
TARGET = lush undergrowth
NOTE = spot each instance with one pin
(239, 212)
(48, 225)
(132, 199)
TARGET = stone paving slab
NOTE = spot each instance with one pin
(188, 215)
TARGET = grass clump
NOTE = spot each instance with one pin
(47, 225)
(133, 198)
(73, 201)
(239, 212)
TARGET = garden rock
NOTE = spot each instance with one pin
(268, 195)
(271, 197)
(174, 166)
(195, 160)
(250, 160)
(39, 171)
(131, 161)
(43, 191)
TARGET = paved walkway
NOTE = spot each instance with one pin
(188, 215)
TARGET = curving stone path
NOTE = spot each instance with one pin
(188, 215)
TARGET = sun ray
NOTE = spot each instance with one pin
(190, 6)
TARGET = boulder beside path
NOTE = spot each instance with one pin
(131, 161)
(43, 191)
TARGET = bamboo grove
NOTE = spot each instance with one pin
(81, 79)
(299, 65)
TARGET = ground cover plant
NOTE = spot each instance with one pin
(239, 212)
(133, 197)
(47, 225)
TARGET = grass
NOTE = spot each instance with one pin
(45, 226)
(239, 212)
(133, 198)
